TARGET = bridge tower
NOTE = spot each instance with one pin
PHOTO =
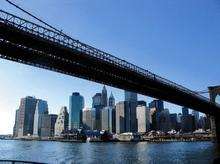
(214, 91)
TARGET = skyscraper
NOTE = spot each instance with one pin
(111, 101)
(156, 107)
(114, 119)
(41, 109)
(104, 97)
(179, 117)
(187, 121)
(196, 116)
(53, 118)
(45, 126)
(76, 104)
(173, 121)
(131, 99)
(143, 118)
(62, 120)
(107, 119)
(122, 117)
(15, 128)
(153, 119)
(48, 125)
(89, 118)
(164, 120)
(97, 105)
(97, 100)
(158, 104)
(185, 111)
(26, 116)
(130, 96)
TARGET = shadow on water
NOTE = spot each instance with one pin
(216, 152)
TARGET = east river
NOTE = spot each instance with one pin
(142, 152)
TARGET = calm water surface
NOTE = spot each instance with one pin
(143, 152)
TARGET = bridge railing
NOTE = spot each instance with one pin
(69, 42)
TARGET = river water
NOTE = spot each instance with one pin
(142, 152)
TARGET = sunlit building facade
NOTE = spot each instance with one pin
(143, 118)
(89, 121)
(61, 125)
(107, 119)
(41, 109)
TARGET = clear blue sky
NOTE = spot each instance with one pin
(176, 39)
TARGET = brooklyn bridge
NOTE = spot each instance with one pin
(26, 42)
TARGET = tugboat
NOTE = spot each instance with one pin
(106, 136)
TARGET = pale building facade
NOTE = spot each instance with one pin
(143, 118)
(61, 124)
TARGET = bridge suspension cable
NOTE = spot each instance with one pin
(33, 16)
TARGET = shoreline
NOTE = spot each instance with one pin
(116, 141)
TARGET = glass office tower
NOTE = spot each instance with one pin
(76, 104)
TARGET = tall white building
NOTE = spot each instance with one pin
(143, 118)
(41, 109)
(107, 119)
(89, 121)
(61, 124)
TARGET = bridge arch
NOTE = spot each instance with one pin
(214, 91)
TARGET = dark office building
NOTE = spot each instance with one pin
(122, 117)
(26, 116)
(188, 123)
(173, 121)
(130, 96)
(97, 104)
(53, 118)
(185, 111)
(156, 107)
(131, 100)
(142, 103)
(153, 123)
(158, 104)
(114, 120)
(104, 97)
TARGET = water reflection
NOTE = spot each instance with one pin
(60, 152)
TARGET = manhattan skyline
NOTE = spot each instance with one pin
(143, 44)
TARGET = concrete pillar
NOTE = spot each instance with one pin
(215, 120)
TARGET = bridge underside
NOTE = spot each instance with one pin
(23, 47)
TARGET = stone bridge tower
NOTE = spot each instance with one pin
(214, 91)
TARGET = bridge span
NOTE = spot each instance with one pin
(29, 43)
